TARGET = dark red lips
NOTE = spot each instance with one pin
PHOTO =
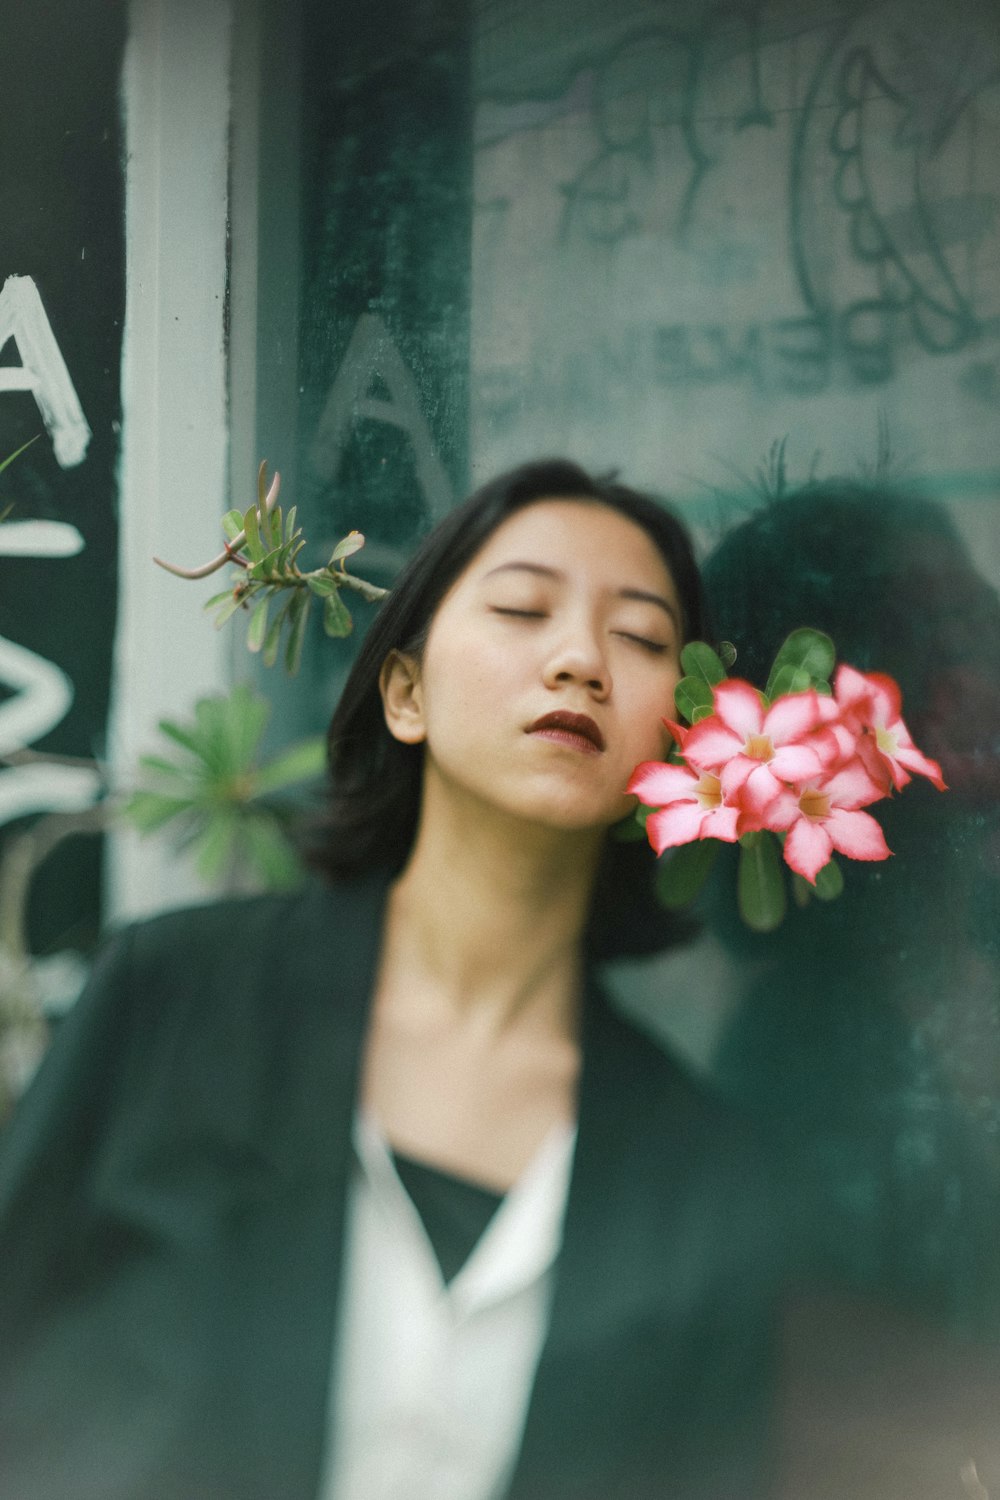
(577, 726)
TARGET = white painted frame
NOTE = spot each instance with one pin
(174, 460)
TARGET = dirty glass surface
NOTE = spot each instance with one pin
(750, 256)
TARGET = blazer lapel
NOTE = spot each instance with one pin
(625, 1379)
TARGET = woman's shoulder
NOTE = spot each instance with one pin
(192, 1018)
(231, 931)
(237, 971)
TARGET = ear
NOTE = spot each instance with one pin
(402, 698)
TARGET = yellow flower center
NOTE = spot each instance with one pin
(759, 747)
(709, 791)
(814, 804)
(887, 743)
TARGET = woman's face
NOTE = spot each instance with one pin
(548, 667)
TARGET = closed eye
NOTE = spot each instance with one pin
(657, 647)
(519, 614)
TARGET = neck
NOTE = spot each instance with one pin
(488, 917)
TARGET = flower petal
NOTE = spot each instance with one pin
(776, 816)
(722, 823)
(678, 731)
(679, 824)
(796, 763)
(871, 697)
(710, 744)
(879, 768)
(758, 791)
(922, 765)
(733, 776)
(656, 783)
(738, 705)
(856, 834)
(851, 688)
(807, 848)
(887, 696)
(853, 786)
(792, 716)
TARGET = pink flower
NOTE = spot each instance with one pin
(824, 815)
(691, 805)
(757, 751)
(871, 705)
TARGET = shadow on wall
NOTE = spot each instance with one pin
(866, 1032)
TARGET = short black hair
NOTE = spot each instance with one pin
(375, 781)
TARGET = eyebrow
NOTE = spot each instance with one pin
(644, 596)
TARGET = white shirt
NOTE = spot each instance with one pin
(432, 1382)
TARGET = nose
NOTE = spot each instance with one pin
(578, 658)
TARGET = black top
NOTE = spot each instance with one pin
(173, 1207)
(454, 1211)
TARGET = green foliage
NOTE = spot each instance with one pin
(683, 873)
(218, 796)
(805, 660)
(703, 669)
(264, 545)
(632, 829)
(760, 885)
(829, 885)
(5, 463)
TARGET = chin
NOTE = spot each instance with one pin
(578, 814)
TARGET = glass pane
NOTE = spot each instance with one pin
(749, 256)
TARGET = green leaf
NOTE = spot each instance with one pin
(632, 830)
(182, 736)
(290, 533)
(255, 547)
(258, 625)
(273, 638)
(788, 679)
(161, 767)
(232, 603)
(232, 524)
(727, 654)
(683, 873)
(267, 565)
(17, 453)
(221, 598)
(303, 761)
(148, 811)
(810, 650)
(829, 881)
(273, 526)
(346, 547)
(693, 699)
(298, 614)
(270, 852)
(760, 886)
(337, 620)
(323, 584)
(699, 660)
(228, 730)
(213, 847)
(243, 718)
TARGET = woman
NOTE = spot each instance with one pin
(216, 1284)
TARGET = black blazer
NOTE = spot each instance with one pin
(172, 1198)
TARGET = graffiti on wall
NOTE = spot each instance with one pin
(749, 201)
(39, 693)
